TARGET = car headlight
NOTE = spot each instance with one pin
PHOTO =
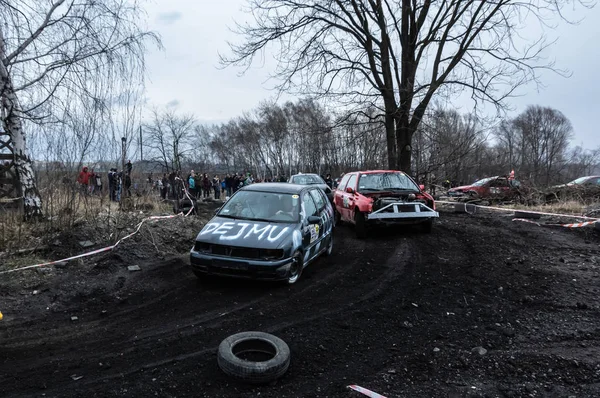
(202, 247)
(271, 254)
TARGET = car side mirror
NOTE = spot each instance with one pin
(314, 219)
(422, 187)
(349, 190)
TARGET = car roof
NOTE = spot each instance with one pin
(275, 187)
(305, 174)
(375, 171)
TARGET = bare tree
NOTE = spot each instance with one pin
(169, 137)
(545, 133)
(396, 54)
(447, 146)
(52, 52)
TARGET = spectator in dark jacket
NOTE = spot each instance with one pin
(206, 186)
(329, 181)
(216, 184)
(228, 184)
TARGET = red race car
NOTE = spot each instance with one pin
(366, 198)
(497, 187)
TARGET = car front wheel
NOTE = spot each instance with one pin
(360, 225)
(295, 269)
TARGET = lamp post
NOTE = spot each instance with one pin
(123, 144)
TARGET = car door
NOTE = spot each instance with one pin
(311, 233)
(326, 225)
(338, 200)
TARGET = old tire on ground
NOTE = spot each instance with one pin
(527, 214)
(296, 268)
(360, 225)
(254, 357)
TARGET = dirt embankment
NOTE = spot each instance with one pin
(481, 307)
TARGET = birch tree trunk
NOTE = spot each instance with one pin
(13, 125)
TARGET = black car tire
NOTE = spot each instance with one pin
(337, 217)
(273, 356)
(298, 265)
(329, 250)
(360, 225)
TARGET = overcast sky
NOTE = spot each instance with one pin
(186, 75)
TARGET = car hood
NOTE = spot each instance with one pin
(388, 194)
(246, 233)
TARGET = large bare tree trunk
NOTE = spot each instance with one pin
(404, 133)
(13, 125)
(390, 137)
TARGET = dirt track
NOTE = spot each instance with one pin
(399, 313)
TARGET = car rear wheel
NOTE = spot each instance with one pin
(295, 269)
(360, 225)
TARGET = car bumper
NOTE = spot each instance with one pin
(402, 213)
(398, 221)
(240, 268)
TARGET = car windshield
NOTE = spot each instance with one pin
(307, 179)
(262, 206)
(484, 181)
(578, 181)
(386, 182)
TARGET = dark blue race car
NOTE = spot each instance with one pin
(266, 231)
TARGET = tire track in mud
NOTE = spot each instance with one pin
(164, 340)
(371, 291)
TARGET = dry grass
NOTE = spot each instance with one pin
(65, 207)
(561, 207)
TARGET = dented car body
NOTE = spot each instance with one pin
(369, 198)
(266, 231)
(497, 187)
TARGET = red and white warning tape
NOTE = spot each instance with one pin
(513, 210)
(572, 225)
(365, 391)
(104, 249)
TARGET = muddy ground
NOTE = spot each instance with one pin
(399, 313)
